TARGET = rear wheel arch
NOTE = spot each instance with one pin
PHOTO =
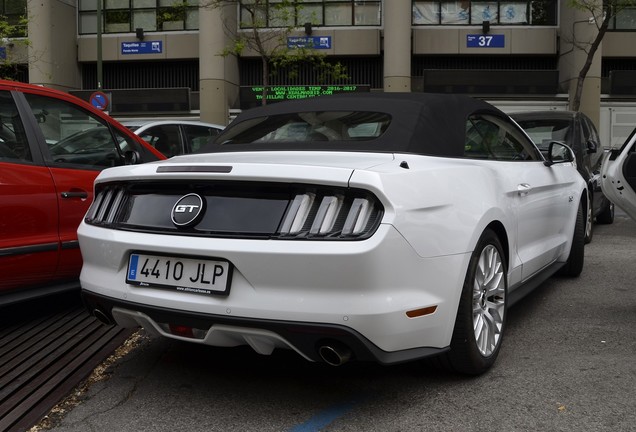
(481, 315)
(498, 228)
(587, 200)
(576, 258)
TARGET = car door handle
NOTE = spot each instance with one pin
(523, 189)
(79, 194)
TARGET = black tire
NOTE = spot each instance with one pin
(574, 265)
(484, 291)
(606, 216)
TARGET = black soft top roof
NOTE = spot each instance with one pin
(422, 123)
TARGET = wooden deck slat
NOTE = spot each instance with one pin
(41, 407)
(26, 373)
(36, 346)
(54, 377)
(36, 338)
(10, 334)
(46, 350)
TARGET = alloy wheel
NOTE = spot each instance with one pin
(589, 221)
(489, 291)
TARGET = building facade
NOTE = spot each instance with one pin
(163, 56)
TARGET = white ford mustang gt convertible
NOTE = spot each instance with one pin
(381, 227)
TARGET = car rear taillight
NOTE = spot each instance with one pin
(241, 210)
(344, 214)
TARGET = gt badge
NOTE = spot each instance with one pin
(188, 211)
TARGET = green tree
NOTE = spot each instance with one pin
(265, 29)
(177, 12)
(601, 13)
(13, 32)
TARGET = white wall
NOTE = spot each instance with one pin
(618, 119)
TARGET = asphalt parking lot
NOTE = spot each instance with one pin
(567, 364)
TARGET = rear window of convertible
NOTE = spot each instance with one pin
(308, 127)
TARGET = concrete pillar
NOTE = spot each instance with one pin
(218, 75)
(397, 46)
(577, 29)
(52, 53)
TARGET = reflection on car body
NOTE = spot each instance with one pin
(577, 131)
(92, 146)
(406, 232)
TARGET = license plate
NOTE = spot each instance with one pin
(192, 275)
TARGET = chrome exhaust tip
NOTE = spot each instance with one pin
(102, 317)
(335, 354)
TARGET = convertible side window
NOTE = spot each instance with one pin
(74, 137)
(14, 146)
(480, 138)
(489, 137)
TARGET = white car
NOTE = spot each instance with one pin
(387, 227)
(618, 176)
(174, 137)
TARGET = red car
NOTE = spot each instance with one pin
(52, 146)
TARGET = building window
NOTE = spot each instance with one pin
(332, 13)
(474, 12)
(124, 16)
(14, 13)
(624, 20)
(117, 21)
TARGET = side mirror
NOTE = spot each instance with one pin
(131, 157)
(559, 153)
(592, 147)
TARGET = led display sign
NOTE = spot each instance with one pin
(252, 96)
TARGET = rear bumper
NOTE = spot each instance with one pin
(261, 334)
(368, 287)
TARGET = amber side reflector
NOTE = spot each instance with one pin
(421, 312)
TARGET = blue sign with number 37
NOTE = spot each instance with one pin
(485, 41)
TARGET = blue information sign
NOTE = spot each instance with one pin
(316, 42)
(150, 47)
(485, 41)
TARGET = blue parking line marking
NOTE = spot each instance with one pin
(324, 418)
